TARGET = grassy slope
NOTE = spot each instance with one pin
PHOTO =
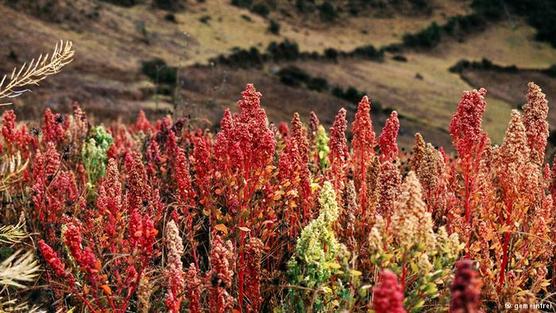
(432, 100)
(105, 76)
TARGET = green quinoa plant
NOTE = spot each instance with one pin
(94, 153)
(314, 270)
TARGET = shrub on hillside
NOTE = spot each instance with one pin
(551, 71)
(274, 27)
(283, 51)
(124, 3)
(328, 11)
(318, 84)
(540, 14)
(243, 58)
(158, 71)
(293, 76)
(242, 3)
(427, 38)
(169, 5)
(261, 9)
(368, 52)
(331, 53)
(305, 6)
(484, 64)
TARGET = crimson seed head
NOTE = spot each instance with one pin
(313, 126)
(8, 126)
(362, 129)
(388, 139)
(466, 289)
(53, 128)
(465, 127)
(535, 113)
(339, 152)
(142, 123)
(52, 259)
(388, 294)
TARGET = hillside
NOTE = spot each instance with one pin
(113, 42)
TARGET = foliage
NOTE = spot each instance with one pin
(255, 218)
(169, 5)
(327, 11)
(427, 38)
(159, 72)
(124, 3)
(94, 153)
(422, 257)
(318, 256)
(261, 9)
(274, 27)
(540, 14)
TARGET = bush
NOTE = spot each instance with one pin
(459, 66)
(242, 58)
(484, 64)
(283, 51)
(123, 3)
(351, 94)
(540, 14)
(170, 17)
(293, 76)
(399, 58)
(393, 48)
(304, 6)
(158, 71)
(368, 52)
(205, 19)
(422, 6)
(427, 38)
(328, 11)
(492, 9)
(261, 9)
(242, 3)
(318, 84)
(551, 71)
(169, 5)
(331, 53)
(274, 27)
(462, 24)
(552, 138)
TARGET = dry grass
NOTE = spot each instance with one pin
(506, 43)
(112, 48)
(433, 99)
(35, 71)
(18, 269)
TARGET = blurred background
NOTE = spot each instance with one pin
(193, 58)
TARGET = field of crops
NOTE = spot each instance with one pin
(158, 216)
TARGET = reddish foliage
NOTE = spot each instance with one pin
(240, 201)
(339, 152)
(52, 259)
(465, 127)
(388, 294)
(54, 127)
(363, 149)
(142, 123)
(220, 275)
(388, 139)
